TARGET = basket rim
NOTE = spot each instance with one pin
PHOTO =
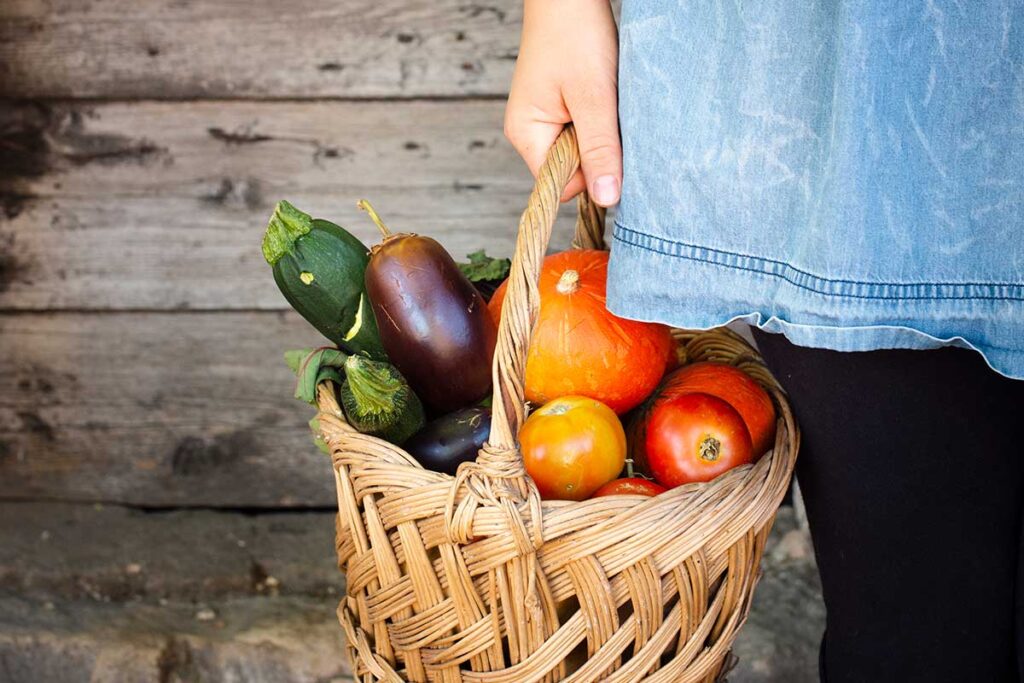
(781, 455)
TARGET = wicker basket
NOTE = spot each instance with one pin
(473, 578)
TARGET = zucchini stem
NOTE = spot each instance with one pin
(365, 206)
(374, 387)
(286, 225)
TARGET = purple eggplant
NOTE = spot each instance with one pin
(433, 323)
(447, 442)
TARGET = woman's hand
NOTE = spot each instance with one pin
(566, 71)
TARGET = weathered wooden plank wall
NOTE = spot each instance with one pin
(157, 409)
(184, 189)
(143, 144)
(257, 48)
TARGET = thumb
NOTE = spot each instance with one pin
(597, 130)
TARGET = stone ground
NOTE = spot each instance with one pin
(107, 594)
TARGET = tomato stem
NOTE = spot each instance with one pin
(709, 449)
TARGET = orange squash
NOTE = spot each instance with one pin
(578, 347)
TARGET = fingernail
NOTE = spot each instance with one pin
(605, 190)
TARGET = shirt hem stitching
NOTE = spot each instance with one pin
(817, 284)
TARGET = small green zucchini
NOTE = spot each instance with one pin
(378, 400)
(320, 268)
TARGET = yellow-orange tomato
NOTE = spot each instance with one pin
(572, 446)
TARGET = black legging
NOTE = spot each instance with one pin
(912, 470)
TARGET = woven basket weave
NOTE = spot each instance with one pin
(473, 578)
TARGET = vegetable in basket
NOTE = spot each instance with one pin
(449, 441)
(695, 437)
(732, 385)
(376, 398)
(630, 486)
(319, 267)
(579, 347)
(433, 323)
(572, 446)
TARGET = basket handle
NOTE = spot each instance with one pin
(522, 300)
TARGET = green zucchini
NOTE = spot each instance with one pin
(320, 268)
(377, 400)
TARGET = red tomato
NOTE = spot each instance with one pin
(733, 386)
(726, 382)
(633, 486)
(572, 446)
(695, 437)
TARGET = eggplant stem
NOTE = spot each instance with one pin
(365, 206)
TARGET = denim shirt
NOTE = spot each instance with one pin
(847, 172)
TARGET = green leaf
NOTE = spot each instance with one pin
(482, 267)
(295, 357)
(320, 365)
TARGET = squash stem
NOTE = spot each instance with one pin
(365, 206)
(569, 282)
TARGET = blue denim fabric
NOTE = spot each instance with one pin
(849, 173)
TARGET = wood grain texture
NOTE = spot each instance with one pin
(157, 409)
(159, 49)
(283, 639)
(69, 552)
(161, 206)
